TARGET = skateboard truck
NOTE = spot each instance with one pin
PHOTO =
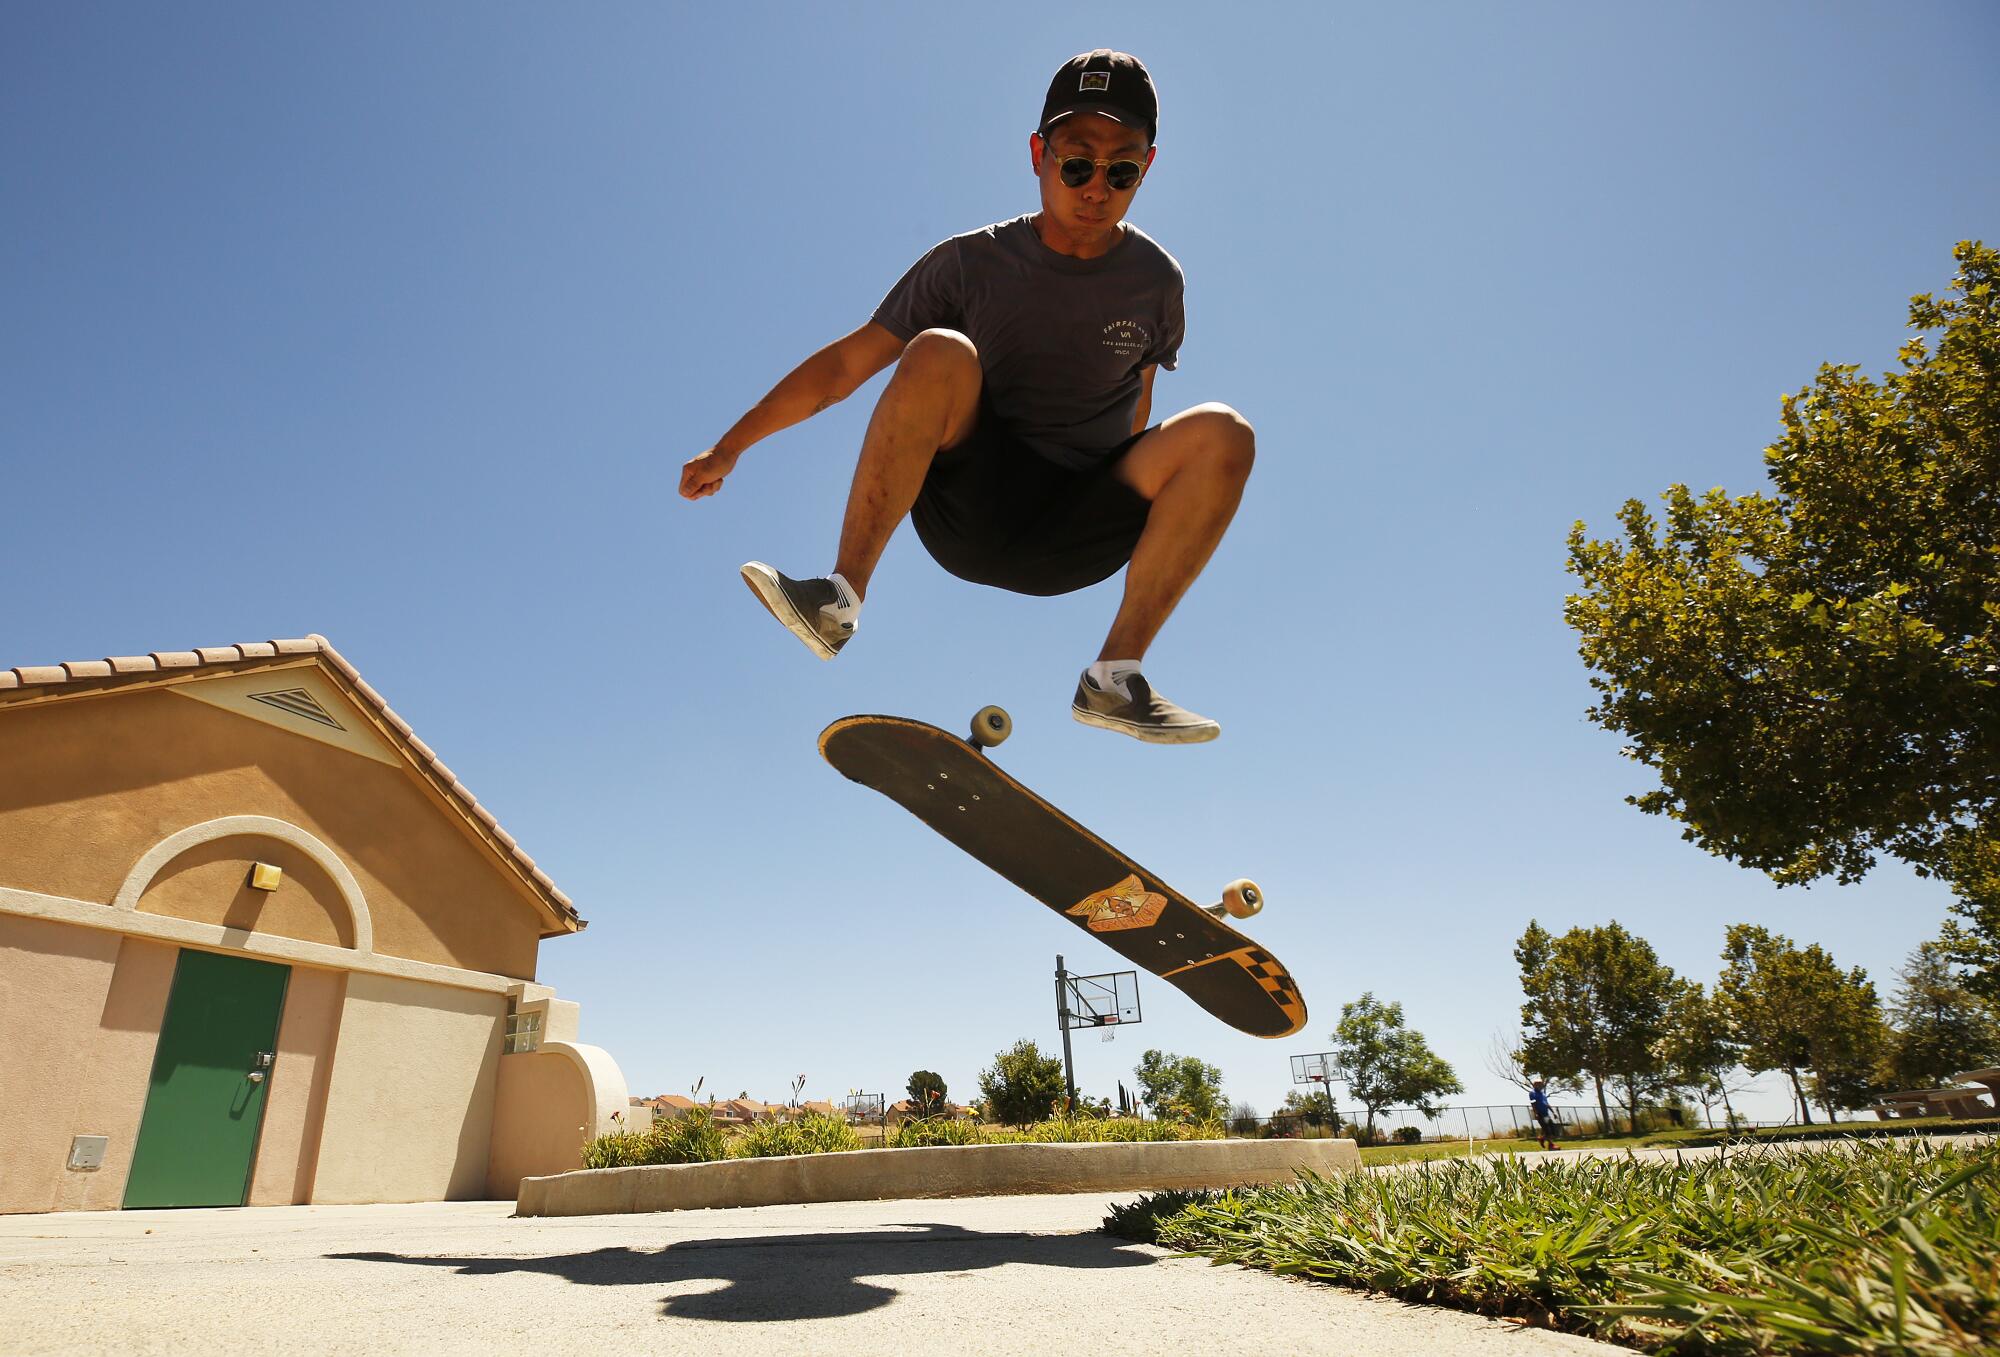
(1240, 899)
(990, 725)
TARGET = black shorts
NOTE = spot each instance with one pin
(996, 512)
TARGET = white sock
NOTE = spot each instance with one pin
(848, 608)
(1110, 675)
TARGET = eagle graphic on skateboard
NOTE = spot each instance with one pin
(956, 788)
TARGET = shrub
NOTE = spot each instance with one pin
(1409, 1135)
(921, 1131)
(1140, 1220)
(1063, 1130)
(695, 1138)
(1023, 1084)
(810, 1133)
(619, 1149)
(691, 1138)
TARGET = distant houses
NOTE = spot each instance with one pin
(727, 1112)
(667, 1104)
(908, 1108)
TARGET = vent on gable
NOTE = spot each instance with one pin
(301, 703)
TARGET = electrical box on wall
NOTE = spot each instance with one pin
(87, 1152)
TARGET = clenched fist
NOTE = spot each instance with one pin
(701, 475)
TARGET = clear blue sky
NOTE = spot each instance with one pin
(396, 322)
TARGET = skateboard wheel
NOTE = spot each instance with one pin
(1241, 898)
(991, 725)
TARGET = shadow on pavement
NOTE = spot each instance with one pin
(781, 1277)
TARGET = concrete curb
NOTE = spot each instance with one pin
(933, 1171)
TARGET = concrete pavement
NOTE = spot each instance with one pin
(985, 1275)
(982, 1275)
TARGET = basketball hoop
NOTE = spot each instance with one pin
(1099, 1000)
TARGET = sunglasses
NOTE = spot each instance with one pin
(1078, 170)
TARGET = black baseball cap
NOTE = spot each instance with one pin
(1114, 84)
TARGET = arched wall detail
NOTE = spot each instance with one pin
(603, 1080)
(166, 850)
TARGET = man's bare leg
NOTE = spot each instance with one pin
(931, 403)
(1193, 468)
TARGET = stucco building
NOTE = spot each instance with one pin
(259, 946)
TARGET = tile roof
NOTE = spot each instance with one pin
(97, 675)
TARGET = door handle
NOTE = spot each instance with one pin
(255, 1076)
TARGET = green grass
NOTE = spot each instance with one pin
(1372, 1155)
(1875, 1250)
(1911, 1126)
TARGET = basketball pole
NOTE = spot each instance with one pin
(1062, 1020)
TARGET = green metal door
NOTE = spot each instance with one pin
(211, 1073)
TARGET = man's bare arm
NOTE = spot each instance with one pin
(1145, 410)
(827, 378)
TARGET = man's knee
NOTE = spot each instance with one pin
(940, 354)
(1226, 436)
(939, 373)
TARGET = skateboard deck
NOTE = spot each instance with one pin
(954, 787)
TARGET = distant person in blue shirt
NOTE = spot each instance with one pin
(1547, 1128)
(1014, 432)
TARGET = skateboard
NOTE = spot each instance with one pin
(956, 788)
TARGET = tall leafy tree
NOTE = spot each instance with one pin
(1851, 1043)
(1596, 1007)
(1814, 671)
(1315, 1108)
(1180, 1086)
(1699, 1052)
(1022, 1085)
(1794, 1010)
(1937, 1026)
(926, 1089)
(1385, 1064)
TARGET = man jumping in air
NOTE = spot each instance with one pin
(1014, 432)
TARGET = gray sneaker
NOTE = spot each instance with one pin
(806, 607)
(1145, 715)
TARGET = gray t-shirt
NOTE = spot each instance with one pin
(1061, 340)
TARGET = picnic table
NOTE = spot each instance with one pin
(1989, 1078)
(1959, 1103)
